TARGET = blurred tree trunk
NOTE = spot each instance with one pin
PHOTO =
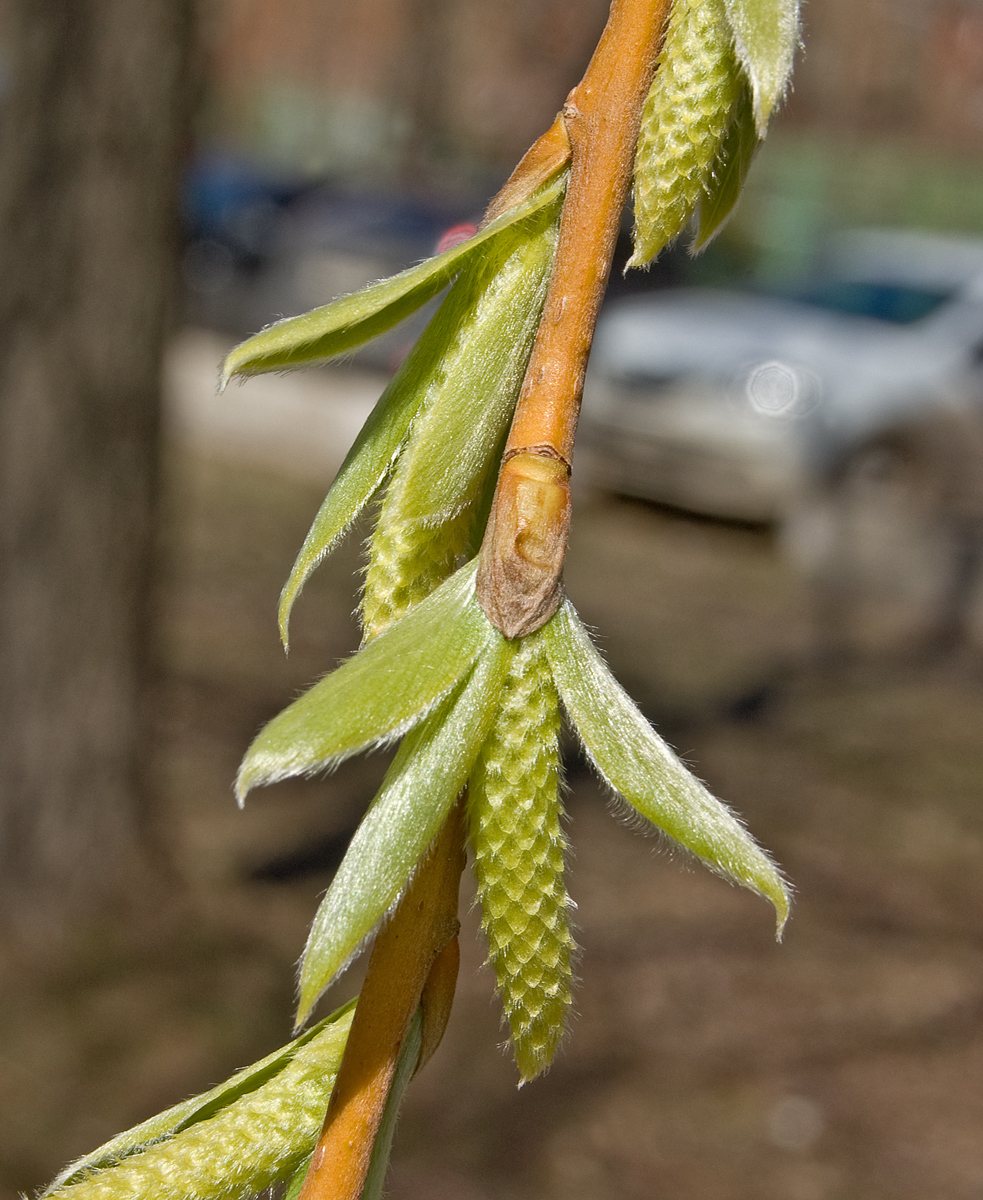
(93, 129)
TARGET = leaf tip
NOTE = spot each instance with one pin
(250, 775)
(781, 899)
(226, 372)
(283, 621)
(305, 1004)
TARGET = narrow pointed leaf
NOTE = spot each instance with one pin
(766, 36)
(457, 390)
(379, 441)
(350, 321)
(162, 1148)
(431, 514)
(638, 765)
(455, 438)
(382, 692)
(729, 173)
(425, 778)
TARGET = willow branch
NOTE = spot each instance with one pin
(522, 555)
(418, 942)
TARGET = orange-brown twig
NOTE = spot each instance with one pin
(416, 943)
(522, 555)
(540, 162)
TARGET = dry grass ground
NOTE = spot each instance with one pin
(706, 1062)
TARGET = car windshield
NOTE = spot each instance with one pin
(897, 303)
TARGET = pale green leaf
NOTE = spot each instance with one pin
(426, 776)
(339, 327)
(766, 36)
(379, 441)
(726, 180)
(154, 1148)
(380, 693)
(638, 765)
(457, 389)
(456, 437)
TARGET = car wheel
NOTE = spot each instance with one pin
(892, 540)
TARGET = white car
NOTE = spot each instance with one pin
(856, 396)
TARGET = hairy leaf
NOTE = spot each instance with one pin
(766, 36)
(350, 321)
(425, 778)
(439, 487)
(373, 698)
(638, 765)
(232, 1141)
(379, 441)
(457, 391)
(455, 436)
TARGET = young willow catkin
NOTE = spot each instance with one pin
(407, 560)
(246, 1147)
(444, 472)
(686, 116)
(518, 845)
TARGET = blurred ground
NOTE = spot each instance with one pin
(705, 1060)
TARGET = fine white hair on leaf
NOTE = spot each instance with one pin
(227, 1144)
(639, 766)
(381, 441)
(766, 37)
(468, 364)
(471, 397)
(382, 692)
(425, 778)
(334, 329)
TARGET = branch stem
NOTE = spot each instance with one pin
(418, 941)
(522, 555)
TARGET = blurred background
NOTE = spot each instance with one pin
(778, 539)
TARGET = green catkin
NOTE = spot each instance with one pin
(686, 116)
(443, 473)
(518, 844)
(407, 561)
(409, 558)
(246, 1147)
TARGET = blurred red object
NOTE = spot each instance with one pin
(455, 236)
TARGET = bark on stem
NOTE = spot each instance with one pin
(414, 961)
(525, 541)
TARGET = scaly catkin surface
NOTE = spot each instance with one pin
(686, 115)
(407, 561)
(244, 1149)
(519, 847)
